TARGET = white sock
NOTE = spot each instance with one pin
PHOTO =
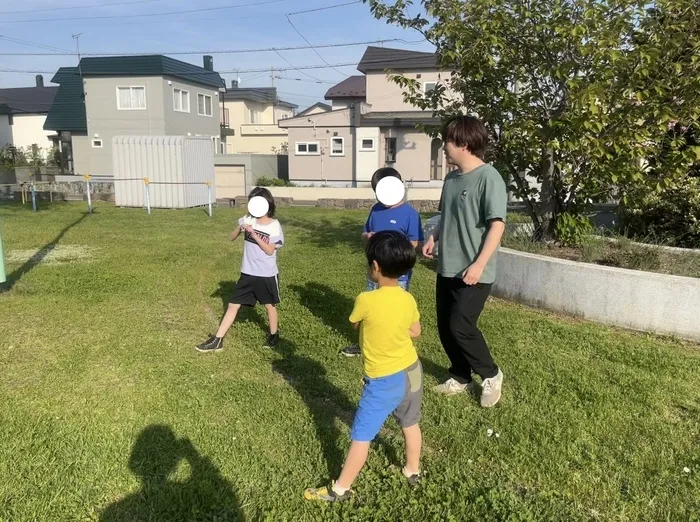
(338, 490)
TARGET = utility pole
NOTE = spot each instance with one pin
(272, 76)
(76, 37)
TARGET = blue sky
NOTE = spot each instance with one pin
(253, 26)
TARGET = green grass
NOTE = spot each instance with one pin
(107, 412)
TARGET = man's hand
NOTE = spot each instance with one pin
(472, 274)
(428, 248)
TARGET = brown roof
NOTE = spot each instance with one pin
(352, 87)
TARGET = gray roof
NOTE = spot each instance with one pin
(27, 100)
(352, 87)
(68, 109)
(149, 65)
(382, 58)
(400, 118)
(318, 105)
(256, 94)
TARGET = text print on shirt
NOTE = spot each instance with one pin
(265, 237)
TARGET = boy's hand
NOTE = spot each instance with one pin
(472, 274)
(428, 248)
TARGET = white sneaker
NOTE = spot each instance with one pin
(491, 393)
(453, 387)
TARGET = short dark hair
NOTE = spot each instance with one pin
(392, 251)
(469, 132)
(264, 193)
(384, 172)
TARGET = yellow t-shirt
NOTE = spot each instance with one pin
(386, 315)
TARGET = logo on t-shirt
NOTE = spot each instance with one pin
(393, 221)
(263, 236)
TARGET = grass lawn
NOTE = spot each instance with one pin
(107, 412)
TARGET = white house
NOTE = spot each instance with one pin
(23, 112)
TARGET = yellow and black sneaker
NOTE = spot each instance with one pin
(327, 494)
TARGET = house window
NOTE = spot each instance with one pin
(390, 149)
(307, 148)
(131, 98)
(367, 145)
(337, 146)
(429, 87)
(204, 105)
(253, 116)
(96, 144)
(181, 100)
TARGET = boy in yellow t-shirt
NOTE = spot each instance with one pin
(388, 320)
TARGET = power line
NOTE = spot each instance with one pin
(323, 8)
(105, 17)
(302, 72)
(408, 61)
(30, 44)
(287, 78)
(224, 51)
(312, 47)
(79, 7)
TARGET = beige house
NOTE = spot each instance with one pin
(370, 126)
(249, 120)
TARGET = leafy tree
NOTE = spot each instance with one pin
(577, 94)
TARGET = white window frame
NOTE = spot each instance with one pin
(425, 86)
(131, 87)
(186, 96)
(342, 146)
(205, 96)
(387, 159)
(307, 153)
(373, 148)
(97, 140)
(254, 117)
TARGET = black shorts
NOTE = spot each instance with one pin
(255, 289)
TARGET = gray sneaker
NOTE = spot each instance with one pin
(453, 387)
(491, 390)
(351, 351)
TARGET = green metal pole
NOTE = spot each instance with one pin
(3, 276)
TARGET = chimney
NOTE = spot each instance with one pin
(208, 63)
(234, 84)
(39, 80)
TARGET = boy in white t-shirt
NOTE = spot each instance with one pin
(259, 281)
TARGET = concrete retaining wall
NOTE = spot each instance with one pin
(628, 298)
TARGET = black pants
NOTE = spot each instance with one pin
(458, 309)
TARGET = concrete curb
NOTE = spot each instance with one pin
(644, 301)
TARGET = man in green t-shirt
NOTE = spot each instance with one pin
(473, 211)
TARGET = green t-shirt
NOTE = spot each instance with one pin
(467, 204)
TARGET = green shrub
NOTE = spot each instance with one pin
(264, 181)
(572, 229)
(670, 216)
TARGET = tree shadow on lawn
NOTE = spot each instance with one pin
(205, 495)
(326, 403)
(326, 233)
(333, 309)
(37, 258)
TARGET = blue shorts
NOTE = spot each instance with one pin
(400, 393)
(403, 283)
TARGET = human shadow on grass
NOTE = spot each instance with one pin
(37, 258)
(205, 495)
(326, 403)
(333, 309)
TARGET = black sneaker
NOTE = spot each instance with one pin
(213, 344)
(351, 351)
(272, 340)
